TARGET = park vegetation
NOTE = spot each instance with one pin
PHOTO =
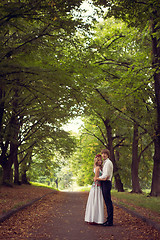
(55, 66)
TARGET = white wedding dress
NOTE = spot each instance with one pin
(95, 206)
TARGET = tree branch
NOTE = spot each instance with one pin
(109, 102)
(145, 150)
(92, 134)
(11, 52)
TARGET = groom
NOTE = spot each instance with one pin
(106, 185)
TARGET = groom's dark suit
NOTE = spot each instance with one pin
(106, 189)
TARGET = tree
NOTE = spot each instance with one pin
(82, 161)
(122, 62)
(33, 88)
(146, 14)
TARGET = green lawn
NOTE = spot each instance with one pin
(42, 185)
(142, 200)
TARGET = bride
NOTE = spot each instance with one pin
(94, 213)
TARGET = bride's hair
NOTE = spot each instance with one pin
(96, 160)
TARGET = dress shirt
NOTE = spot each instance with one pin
(107, 169)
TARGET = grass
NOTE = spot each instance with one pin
(141, 200)
(19, 205)
(42, 185)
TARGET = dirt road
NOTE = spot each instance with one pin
(61, 217)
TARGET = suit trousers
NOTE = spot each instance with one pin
(106, 191)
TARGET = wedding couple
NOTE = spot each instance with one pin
(100, 191)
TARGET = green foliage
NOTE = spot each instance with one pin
(65, 177)
(37, 80)
(141, 200)
(135, 13)
(83, 159)
(146, 15)
(49, 157)
(53, 69)
(120, 91)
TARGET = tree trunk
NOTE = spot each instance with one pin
(56, 182)
(7, 177)
(135, 162)
(25, 165)
(16, 165)
(2, 94)
(24, 178)
(3, 144)
(155, 188)
(15, 127)
(118, 183)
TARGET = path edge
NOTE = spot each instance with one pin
(8, 214)
(144, 219)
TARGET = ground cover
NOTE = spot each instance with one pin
(60, 215)
(141, 203)
(12, 198)
(18, 195)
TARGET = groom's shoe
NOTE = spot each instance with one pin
(107, 224)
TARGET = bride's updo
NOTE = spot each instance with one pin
(97, 157)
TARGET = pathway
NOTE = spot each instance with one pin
(61, 217)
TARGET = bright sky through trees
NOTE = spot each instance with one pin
(74, 125)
